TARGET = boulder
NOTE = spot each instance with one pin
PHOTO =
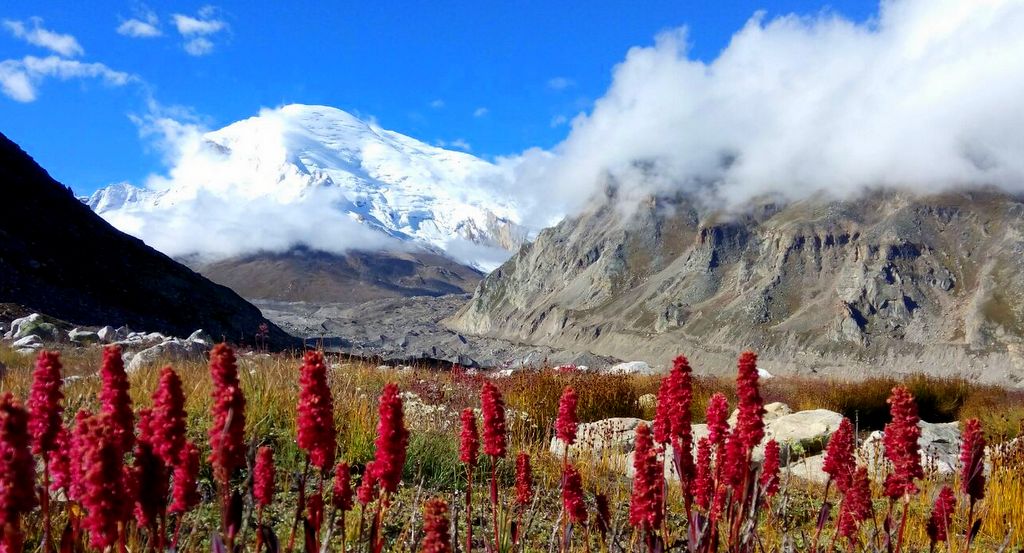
(201, 336)
(34, 325)
(630, 367)
(173, 350)
(773, 411)
(106, 334)
(28, 344)
(940, 448)
(802, 433)
(607, 436)
(809, 468)
(83, 337)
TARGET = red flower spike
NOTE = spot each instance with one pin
(341, 496)
(566, 424)
(704, 481)
(839, 461)
(972, 456)
(115, 399)
(662, 424)
(367, 491)
(103, 479)
(17, 467)
(60, 461)
(493, 408)
(149, 478)
(263, 477)
(392, 440)
(185, 494)
(44, 402)
(770, 469)
(469, 439)
(901, 447)
(572, 495)
(750, 421)
(646, 503)
(718, 419)
(436, 536)
(942, 516)
(227, 433)
(856, 506)
(76, 449)
(168, 423)
(315, 511)
(315, 412)
(524, 479)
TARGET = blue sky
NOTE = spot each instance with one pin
(499, 77)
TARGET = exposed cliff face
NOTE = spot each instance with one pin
(886, 282)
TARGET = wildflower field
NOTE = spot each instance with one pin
(258, 452)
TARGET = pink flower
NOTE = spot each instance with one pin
(565, 425)
(494, 420)
(392, 440)
(524, 479)
(168, 422)
(770, 469)
(942, 516)
(227, 433)
(186, 473)
(316, 433)
(44, 403)
(115, 399)
(572, 495)
(646, 504)
(839, 461)
(972, 456)
(263, 477)
(17, 467)
(341, 497)
(901, 447)
(469, 443)
(436, 535)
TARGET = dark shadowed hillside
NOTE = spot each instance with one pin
(59, 258)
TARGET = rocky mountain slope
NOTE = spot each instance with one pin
(301, 275)
(59, 258)
(887, 282)
(318, 177)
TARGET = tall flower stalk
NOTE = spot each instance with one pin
(227, 433)
(17, 473)
(45, 425)
(495, 443)
(469, 454)
(902, 449)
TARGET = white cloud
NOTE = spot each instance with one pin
(925, 96)
(20, 79)
(437, 104)
(63, 44)
(481, 112)
(461, 144)
(560, 83)
(144, 26)
(198, 46)
(199, 30)
(558, 121)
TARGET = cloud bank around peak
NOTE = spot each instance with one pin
(925, 96)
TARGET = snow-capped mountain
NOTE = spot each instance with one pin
(317, 177)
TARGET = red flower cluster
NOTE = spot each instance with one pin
(839, 461)
(704, 481)
(263, 477)
(17, 471)
(572, 495)
(227, 433)
(718, 418)
(524, 479)
(60, 461)
(856, 506)
(392, 441)
(494, 420)
(972, 457)
(168, 422)
(901, 447)
(436, 536)
(185, 494)
(44, 403)
(115, 399)
(646, 501)
(942, 516)
(769, 479)
(469, 443)
(316, 433)
(566, 424)
(341, 496)
(750, 422)
(672, 418)
(149, 478)
(102, 478)
(367, 490)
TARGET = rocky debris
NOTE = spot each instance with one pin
(201, 336)
(630, 367)
(109, 334)
(172, 350)
(83, 337)
(27, 345)
(45, 328)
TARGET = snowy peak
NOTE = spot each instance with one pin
(320, 177)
